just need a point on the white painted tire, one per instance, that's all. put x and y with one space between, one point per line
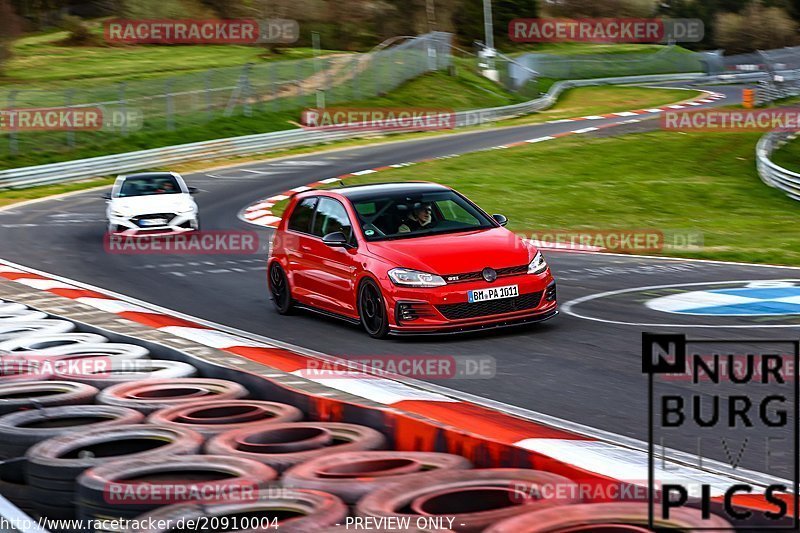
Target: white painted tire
13 329
34 343
112 350
8 307
18 315
124 371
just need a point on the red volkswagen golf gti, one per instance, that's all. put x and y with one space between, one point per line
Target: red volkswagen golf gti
406 258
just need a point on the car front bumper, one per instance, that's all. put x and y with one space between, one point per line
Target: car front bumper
130 226
446 309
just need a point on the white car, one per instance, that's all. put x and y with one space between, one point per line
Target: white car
151 203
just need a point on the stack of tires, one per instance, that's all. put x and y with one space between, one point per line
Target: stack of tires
98 430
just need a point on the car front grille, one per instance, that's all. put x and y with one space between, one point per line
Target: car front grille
477 276
166 216
491 307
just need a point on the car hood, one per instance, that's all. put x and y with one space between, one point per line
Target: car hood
156 203
456 253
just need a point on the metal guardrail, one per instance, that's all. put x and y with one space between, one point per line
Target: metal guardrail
259 143
772 174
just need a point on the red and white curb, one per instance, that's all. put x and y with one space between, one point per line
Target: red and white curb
260 213
554 446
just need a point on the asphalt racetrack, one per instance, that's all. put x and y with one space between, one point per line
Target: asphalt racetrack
583 366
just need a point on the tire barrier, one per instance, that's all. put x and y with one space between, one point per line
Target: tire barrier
474 499
8 315
151 395
128 488
34 343
13 485
55 464
284 445
607 518
19 431
293 511
352 475
211 419
18 395
10 330
111 350
107 373
6 307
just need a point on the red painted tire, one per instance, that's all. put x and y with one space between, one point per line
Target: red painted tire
19 431
153 394
105 373
284 445
475 499
35 343
128 488
606 518
19 395
299 511
351 476
213 418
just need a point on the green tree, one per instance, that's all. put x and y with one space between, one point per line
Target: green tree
468 20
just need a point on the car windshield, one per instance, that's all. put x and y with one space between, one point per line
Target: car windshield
149 185
403 215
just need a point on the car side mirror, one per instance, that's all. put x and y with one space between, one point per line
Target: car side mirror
106 196
500 219
193 190
337 239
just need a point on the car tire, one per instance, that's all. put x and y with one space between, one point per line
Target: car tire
279 289
36 343
352 475
282 446
122 371
21 395
372 310
148 396
217 417
21 430
13 485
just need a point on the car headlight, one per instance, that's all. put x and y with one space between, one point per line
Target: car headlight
538 265
414 278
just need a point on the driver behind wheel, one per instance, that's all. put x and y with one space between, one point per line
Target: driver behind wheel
420 218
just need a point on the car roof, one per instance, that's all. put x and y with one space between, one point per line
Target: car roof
362 192
149 175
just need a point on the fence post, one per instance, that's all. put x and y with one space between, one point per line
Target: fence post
13 140
68 94
247 90
298 75
208 94
273 76
356 93
123 107
170 110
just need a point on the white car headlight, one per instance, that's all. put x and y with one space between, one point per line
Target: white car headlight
414 278
538 265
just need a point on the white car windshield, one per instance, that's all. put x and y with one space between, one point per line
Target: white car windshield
149 185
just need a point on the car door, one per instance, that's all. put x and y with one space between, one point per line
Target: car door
296 245
331 280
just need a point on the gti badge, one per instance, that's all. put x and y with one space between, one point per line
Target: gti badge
489 274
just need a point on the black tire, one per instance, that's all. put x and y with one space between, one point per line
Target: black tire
279 290
19 431
117 488
213 418
64 459
16 396
372 310
150 395
12 482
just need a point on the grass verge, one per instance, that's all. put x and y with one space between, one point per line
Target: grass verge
659 180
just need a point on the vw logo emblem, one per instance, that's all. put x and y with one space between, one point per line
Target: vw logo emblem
489 274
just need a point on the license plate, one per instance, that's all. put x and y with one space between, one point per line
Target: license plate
153 222
494 293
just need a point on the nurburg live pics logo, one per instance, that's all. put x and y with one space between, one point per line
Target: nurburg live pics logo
741 428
